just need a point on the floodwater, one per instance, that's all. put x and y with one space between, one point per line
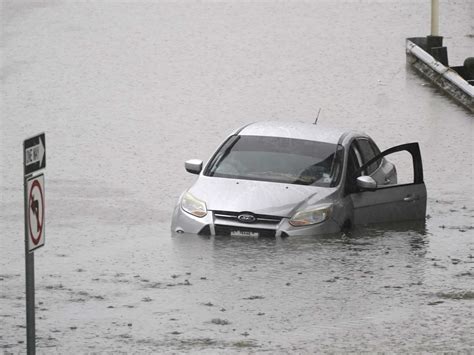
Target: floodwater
127 91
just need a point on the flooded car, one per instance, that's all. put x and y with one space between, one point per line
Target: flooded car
273 179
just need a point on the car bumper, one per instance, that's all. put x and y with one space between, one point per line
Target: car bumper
214 224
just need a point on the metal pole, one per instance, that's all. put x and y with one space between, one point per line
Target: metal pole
29 276
435 17
30 304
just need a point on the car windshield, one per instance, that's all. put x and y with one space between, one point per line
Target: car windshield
276 159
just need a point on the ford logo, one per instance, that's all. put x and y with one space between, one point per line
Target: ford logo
246 218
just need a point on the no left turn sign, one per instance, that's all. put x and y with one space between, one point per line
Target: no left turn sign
36 210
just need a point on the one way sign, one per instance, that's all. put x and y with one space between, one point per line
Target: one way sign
35 153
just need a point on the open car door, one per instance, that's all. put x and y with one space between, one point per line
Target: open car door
392 203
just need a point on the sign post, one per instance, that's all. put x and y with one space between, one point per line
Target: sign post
34 159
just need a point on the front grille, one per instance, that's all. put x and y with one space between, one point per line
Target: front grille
259 218
226 222
224 230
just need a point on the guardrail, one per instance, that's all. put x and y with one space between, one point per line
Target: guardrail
446 78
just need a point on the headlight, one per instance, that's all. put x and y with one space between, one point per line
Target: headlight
312 216
194 206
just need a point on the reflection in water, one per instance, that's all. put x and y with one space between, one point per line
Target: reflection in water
399 243
415 231
313 287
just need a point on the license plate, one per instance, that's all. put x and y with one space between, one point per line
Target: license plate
238 233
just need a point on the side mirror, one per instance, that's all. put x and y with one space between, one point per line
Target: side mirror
193 166
366 183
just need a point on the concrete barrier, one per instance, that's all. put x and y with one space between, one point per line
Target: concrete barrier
420 56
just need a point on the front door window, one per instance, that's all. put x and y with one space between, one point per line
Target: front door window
353 164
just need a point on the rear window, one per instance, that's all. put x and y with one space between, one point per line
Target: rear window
276 159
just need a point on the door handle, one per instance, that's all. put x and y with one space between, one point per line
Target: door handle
387 181
411 198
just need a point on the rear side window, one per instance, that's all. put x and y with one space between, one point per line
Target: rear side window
368 150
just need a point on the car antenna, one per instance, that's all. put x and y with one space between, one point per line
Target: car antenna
317 116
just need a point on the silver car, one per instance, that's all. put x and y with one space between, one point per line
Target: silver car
273 179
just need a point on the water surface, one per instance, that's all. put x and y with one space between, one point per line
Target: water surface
127 91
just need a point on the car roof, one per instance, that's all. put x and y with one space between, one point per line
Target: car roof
296 130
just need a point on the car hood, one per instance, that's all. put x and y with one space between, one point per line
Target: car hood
260 197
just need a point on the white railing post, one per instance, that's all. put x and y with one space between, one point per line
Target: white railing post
435 17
